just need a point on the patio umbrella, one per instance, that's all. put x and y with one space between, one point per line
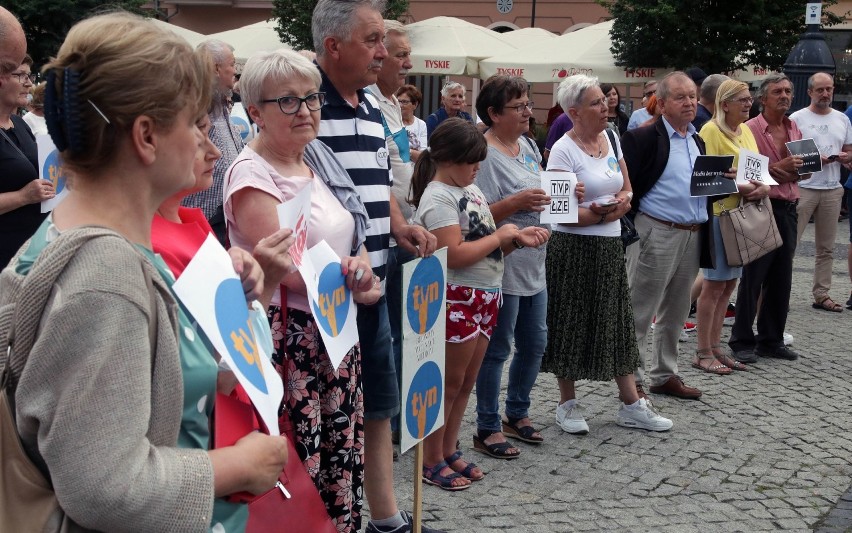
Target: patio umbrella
451 46
585 51
527 37
192 37
257 37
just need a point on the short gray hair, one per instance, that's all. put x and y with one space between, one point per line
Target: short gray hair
572 89
711 85
275 67
772 79
663 86
217 49
813 76
451 86
396 27
333 18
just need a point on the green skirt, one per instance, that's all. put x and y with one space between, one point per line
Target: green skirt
589 315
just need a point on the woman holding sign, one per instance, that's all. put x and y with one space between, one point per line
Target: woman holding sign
101 398
724 134
589 315
21 190
326 404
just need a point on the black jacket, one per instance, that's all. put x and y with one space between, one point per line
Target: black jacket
646 153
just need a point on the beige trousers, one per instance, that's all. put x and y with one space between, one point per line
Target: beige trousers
824 205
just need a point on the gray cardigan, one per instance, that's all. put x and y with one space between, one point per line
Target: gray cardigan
100 412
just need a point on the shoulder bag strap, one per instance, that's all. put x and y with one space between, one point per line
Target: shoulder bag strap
611 135
15 146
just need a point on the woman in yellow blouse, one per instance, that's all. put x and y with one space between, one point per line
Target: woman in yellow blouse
724 134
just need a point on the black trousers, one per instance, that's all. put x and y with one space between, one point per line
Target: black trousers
772 274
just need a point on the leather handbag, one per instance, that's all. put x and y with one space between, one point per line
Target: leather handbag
294 504
749 231
629 235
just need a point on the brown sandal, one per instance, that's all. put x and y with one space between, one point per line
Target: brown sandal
827 304
706 361
727 360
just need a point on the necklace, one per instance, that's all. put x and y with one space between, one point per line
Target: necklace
597 139
506 146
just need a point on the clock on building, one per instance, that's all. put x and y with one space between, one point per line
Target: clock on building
504 6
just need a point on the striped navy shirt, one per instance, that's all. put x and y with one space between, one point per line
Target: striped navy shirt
357 138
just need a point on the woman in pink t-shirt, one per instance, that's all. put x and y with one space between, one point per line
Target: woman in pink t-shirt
280 90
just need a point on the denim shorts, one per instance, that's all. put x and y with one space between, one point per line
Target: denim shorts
722 272
381 389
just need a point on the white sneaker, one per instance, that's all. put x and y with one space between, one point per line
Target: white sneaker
641 415
788 339
569 418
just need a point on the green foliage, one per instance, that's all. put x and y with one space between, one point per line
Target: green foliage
294 20
46 22
716 35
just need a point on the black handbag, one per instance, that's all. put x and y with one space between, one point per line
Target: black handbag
629 235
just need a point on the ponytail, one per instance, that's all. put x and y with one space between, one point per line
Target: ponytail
424 171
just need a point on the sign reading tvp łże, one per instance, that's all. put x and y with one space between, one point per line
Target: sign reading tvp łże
424 327
563 207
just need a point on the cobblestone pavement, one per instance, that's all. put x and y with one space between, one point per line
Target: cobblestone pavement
766 450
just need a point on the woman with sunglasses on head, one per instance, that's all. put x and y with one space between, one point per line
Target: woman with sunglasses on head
280 91
21 190
724 134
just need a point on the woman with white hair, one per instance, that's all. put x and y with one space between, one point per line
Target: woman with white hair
452 104
589 315
280 90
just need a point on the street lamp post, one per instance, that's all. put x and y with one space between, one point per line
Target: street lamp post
810 55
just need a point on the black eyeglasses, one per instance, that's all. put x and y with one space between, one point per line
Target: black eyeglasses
519 109
22 77
290 105
648 94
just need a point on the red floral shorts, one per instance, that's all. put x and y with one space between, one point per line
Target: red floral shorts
470 312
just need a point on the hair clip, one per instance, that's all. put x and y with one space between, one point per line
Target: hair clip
99 111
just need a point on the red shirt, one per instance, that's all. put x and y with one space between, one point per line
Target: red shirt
176 242
760 129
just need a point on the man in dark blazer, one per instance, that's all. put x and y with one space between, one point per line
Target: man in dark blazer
662 268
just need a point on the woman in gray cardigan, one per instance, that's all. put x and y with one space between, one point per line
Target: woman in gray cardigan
98 406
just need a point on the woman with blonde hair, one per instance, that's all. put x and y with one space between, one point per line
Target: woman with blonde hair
100 401
724 134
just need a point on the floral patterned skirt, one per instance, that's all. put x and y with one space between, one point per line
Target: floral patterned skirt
327 411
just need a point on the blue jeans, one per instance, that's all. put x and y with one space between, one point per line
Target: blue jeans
523 318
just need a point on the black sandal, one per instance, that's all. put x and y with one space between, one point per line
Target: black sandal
524 433
498 450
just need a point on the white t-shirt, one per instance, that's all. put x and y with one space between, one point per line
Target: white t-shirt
602 177
417 134
830 132
329 220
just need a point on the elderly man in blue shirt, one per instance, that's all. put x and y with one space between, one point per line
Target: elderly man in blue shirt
670 222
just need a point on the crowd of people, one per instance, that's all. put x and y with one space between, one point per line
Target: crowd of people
151 178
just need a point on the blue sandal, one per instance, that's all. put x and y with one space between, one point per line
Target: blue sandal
432 476
466 471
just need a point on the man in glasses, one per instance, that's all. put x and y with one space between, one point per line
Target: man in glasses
641 115
13 43
223 133
349 42
820 195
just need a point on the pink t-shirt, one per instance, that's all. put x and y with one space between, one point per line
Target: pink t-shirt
329 220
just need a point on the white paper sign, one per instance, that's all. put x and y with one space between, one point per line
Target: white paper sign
240 119
295 214
423 334
753 166
563 207
213 294
50 169
331 301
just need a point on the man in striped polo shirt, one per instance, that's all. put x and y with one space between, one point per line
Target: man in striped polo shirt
348 39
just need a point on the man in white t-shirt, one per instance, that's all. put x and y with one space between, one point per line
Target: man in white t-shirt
820 196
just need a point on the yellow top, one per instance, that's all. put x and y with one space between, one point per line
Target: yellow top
720 144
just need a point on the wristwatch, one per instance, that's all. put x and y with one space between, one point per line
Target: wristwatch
517 244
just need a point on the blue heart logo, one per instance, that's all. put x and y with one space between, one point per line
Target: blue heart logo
425 294
332 306
233 320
